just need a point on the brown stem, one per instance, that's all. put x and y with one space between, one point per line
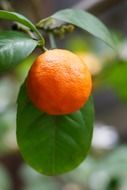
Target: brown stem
6 5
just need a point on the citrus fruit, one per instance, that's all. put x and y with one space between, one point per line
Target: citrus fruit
58 82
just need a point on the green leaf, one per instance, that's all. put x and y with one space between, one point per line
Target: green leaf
114 75
53 144
14 47
19 18
86 21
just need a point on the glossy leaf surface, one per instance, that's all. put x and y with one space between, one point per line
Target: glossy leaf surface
53 144
85 21
14 47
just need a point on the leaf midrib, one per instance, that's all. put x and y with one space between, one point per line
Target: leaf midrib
54 146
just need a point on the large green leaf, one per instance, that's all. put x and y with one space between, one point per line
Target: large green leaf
86 21
53 144
19 18
14 47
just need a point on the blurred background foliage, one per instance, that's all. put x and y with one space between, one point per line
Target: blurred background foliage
106 166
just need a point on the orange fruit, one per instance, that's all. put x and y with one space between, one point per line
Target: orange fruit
58 82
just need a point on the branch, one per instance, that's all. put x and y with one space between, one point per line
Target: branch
85 5
6 5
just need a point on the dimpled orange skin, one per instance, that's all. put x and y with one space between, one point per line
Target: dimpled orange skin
58 82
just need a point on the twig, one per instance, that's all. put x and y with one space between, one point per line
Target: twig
85 5
52 40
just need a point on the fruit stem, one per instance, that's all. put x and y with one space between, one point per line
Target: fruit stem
52 40
40 36
41 45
